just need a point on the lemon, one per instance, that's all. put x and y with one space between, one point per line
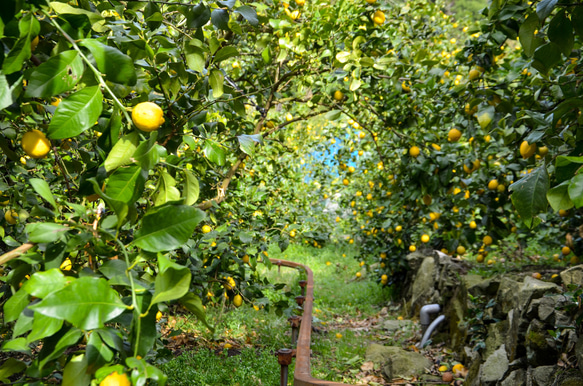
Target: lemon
295 15
398 228
565 250
537 275
383 255
245 259
412 248
338 95
35 144
345 182
474 74
405 87
484 119
206 229
358 274
454 135
147 116
543 150
371 1
237 300
427 200
425 238
443 368
460 250
55 102
34 43
116 379
493 184
292 234
378 17
414 151
487 240
10 216
480 258
458 369
361 135
473 225
159 316
563 213
526 150
338 335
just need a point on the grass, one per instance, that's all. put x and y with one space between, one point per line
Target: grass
342 305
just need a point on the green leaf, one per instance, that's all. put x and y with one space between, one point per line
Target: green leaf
148 152
18 344
193 304
225 53
172 281
168 227
76 113
529 194
10 367
86 303
576 190
29 27
75 372
44 190
546 56
39 232
248 142
561 33
216 79
24 323
58 74
545 7
195 58
5 94
120 208
191 188
197 16
122 152
142 371
214 152
43 326
15 305
166 189
220 18
577 20
67 9
144 339
559 198
526 33
98 353
56 345
249 14
117 66
126 184
41 284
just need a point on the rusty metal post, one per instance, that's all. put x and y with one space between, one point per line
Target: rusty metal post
303 284
300 300
294 321
284 357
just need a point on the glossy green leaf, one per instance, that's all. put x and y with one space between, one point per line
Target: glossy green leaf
76 372
76 113
39 232
560 32
15 305
24 323
126 184
142 371
172 281
225 53
195 58
529 194
191 188
220 18
120 208
143 342
41 284
44 190
528 41
67 9
18 344
54 346
197 16
55 76
214 152
43 326
98 353
216 79
121 154
168 227
193 304
166 189
249 14
86 303
576 190
546 57
559 198
148 153
28 27
10 367
577 20
248 142
117 66
545 7
5 94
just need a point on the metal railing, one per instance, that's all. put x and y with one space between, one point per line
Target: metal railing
302 374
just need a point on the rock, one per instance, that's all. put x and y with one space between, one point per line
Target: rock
573 275
547 310
572 380
477 285
423 286
496 337
455 313
541 349
397 362
534 289
542 375
505 297
473 377
494 367
515 378
515 336
393 325
579 354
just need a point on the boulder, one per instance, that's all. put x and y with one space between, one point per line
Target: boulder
455 312
515 378
496 337
571 380
542 375
579 354
541 349
477 285
494 368
515 336
424 285
505 297
573 275
392 325
397 362
534 289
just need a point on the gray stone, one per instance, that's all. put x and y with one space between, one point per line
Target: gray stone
505 297
572 380
542 375
397 362
423 286
477 285
473 377
579 354
534 289
494 368
455 312
541 349
496 337
573 275
515 378
515 336
393 325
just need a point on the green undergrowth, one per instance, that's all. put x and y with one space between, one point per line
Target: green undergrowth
342 303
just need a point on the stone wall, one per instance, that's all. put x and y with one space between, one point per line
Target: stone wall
529 335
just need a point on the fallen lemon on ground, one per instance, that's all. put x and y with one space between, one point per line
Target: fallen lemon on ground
147 116
35 144
338 335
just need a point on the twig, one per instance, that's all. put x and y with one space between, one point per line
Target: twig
5 258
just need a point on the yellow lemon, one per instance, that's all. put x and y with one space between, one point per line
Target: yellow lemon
460 250
35 144
526 150
116 379
412 248
405 87
474 74
159 316
378 17
425 238
487 240
414 151
237 300
565 250
206 229
338 95
473 225
66 265
147 116
493 184
345 182
543 150
338 335
10 216
454 135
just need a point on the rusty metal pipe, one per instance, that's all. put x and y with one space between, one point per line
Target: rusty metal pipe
295 322
303 284
284 358
302 373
